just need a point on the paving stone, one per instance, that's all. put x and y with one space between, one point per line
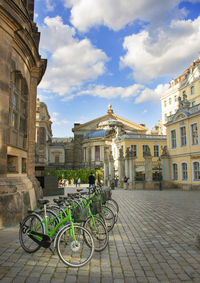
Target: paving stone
153 241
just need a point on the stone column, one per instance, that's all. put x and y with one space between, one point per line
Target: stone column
131 170
93 153
148 172
126 165
106 168
89 158
165 168
101 153
121 168
111 169
5 58
31 121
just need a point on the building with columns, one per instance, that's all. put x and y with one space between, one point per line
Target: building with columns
93 138
86 149
21 70
188 83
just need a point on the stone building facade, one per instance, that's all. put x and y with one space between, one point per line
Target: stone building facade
188 83
43 134
21 70
183 142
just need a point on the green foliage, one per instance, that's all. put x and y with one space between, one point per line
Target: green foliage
83 174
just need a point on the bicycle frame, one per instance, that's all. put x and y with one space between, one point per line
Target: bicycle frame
45 223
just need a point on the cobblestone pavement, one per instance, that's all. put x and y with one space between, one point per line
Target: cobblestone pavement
153 241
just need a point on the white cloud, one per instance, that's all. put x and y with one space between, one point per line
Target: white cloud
56 121
137 91
166 53
72 62
116 14
55 34
49 5
152 95
113 92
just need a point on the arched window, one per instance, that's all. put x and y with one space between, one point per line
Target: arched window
18 110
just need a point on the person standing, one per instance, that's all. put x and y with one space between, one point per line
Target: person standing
79 182
91 181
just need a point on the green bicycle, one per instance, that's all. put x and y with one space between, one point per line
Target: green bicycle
81 213
74 244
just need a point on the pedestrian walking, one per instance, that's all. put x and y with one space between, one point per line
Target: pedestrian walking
91 181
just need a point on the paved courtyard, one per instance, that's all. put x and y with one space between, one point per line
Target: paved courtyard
153 241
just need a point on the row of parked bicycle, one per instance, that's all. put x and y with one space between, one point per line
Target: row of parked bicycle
76 225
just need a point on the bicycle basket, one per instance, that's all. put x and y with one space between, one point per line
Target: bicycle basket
80 214
96 206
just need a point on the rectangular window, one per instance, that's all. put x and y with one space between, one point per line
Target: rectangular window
184 171
156 150
165 103
175 98
14 120
184 92
22 126
134 149
165 117
170 100
97 153
173 139
183 136
196 171
194 134
192 89
57 159
174 171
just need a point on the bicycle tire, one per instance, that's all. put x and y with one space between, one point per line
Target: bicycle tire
114 203
31 222
113 208
99 233
108 217
66 246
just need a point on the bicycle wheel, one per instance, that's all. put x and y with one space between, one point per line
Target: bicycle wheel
113 208
32 222
114 203
72 248
108 217
99 232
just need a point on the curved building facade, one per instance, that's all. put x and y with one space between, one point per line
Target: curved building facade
21 70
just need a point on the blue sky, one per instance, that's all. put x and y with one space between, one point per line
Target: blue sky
118 52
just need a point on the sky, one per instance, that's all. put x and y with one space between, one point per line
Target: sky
118 52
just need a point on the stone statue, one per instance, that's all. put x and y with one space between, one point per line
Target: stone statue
164 151
147 151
